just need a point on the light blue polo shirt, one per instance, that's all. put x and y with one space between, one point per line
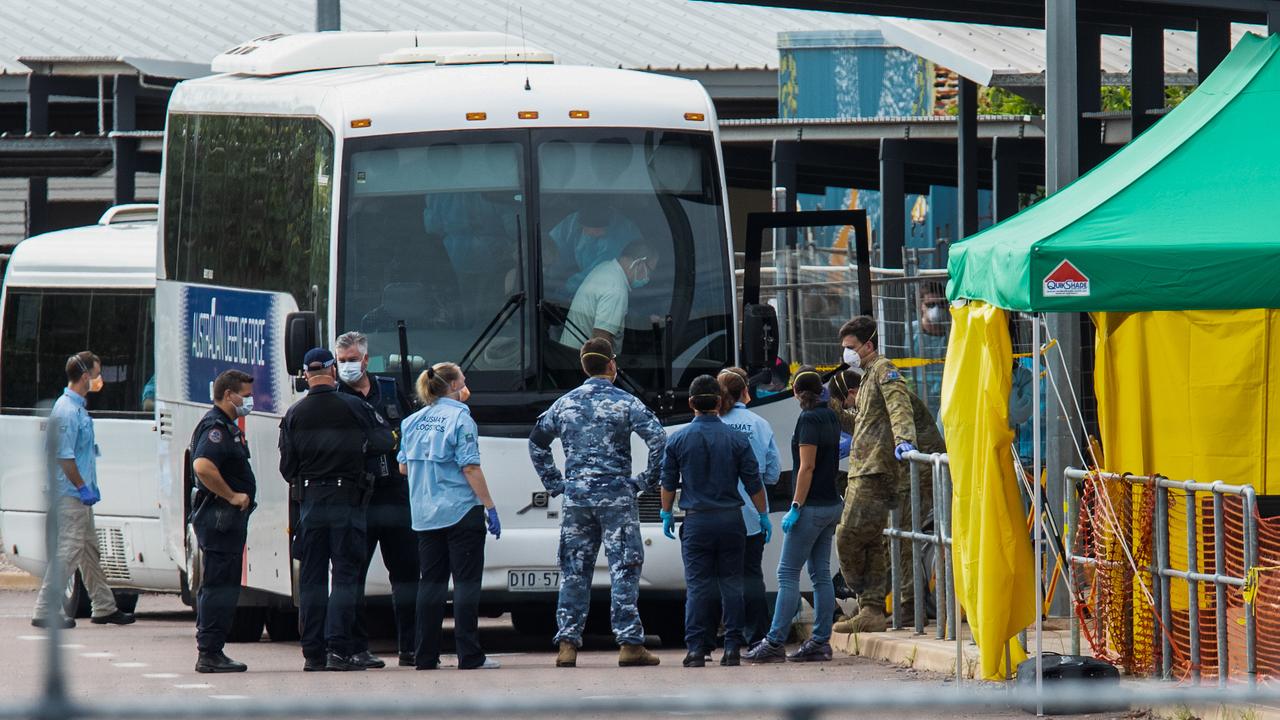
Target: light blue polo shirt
765 449
439 440
75 441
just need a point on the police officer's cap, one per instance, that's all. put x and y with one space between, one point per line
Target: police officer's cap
317 359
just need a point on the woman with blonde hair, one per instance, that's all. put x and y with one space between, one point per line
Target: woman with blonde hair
452 509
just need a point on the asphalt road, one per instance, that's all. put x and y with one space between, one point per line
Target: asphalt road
154 658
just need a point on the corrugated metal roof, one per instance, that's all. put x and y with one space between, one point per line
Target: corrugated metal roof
659 34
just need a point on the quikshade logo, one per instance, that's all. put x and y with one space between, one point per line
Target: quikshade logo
1066 280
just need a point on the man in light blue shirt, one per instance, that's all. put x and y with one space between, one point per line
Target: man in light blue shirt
75 451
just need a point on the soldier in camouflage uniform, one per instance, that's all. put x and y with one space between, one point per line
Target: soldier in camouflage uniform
884 429
594 423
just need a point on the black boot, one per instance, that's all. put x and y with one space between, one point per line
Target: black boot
695 658
369 660
218 662
732 657
407 659
341 663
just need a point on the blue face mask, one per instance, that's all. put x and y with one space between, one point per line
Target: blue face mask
641 281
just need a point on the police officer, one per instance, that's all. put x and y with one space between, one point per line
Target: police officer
884 430
325 439
388 517
594 423
224 493
706 458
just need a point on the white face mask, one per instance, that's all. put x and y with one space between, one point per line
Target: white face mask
246 407
852 359
350 372
936 315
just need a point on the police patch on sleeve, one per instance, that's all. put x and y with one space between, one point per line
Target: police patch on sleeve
215 436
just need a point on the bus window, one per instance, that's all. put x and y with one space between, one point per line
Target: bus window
656 192
42 328
434 236
241 181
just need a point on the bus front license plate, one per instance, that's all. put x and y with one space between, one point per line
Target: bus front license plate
533 580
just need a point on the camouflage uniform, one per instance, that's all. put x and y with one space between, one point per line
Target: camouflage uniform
594 423
883 419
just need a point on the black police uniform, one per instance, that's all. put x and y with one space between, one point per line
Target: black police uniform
220 527
324 441
390 522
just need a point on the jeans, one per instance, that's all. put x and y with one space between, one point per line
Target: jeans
809 542
712 543
390 526
456 551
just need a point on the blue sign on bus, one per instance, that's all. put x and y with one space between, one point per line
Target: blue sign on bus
229 329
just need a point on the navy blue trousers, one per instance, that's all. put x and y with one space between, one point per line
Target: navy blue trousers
713 544
331 540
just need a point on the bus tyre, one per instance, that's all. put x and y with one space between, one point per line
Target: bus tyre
75 599
126 601
247 625
192 566
282 625
534 620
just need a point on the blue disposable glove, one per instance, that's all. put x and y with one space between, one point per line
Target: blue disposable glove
97 496
86 495
491 520
668 524
789 520
766 527
902 449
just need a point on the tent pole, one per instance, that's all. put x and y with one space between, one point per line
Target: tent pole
1036 506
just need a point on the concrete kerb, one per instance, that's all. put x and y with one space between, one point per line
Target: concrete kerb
18 581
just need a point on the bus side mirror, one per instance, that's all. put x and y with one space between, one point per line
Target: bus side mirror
759 336
299 337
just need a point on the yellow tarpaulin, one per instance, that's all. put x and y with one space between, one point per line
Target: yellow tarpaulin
1188 394
995 567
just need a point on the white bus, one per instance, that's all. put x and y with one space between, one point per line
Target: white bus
338 181
85 288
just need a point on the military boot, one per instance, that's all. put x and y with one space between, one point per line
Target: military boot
568 656
636 656
868 619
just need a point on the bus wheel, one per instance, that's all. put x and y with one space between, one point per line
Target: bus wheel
282 625
126 601
192 565
534 620
75 599
247 625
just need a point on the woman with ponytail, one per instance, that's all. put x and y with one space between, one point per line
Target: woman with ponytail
452 509
808 527
734 413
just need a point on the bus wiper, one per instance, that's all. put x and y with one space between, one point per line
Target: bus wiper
632 386
491 331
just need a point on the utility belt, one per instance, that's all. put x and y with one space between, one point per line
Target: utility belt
361 487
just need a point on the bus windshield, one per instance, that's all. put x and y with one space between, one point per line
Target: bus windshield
517 245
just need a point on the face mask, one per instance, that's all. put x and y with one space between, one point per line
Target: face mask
464 394
95 384
639 281
350 372
246 407
852 359
936 315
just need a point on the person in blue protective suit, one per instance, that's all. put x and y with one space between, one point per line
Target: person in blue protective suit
389 525
452 510
808 527
734 413
586 238
594 423
707 460
225 488
74 449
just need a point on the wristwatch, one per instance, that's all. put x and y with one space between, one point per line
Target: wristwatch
795 506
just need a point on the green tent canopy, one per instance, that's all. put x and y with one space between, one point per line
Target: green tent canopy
1184 217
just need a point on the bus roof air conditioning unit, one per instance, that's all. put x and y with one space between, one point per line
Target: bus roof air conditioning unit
285 54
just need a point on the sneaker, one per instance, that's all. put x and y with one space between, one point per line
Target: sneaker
369 660
568 655
811 651
65 623
766 651
407 659
488 664
732 657
341 663
115 618
694 659
636 656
